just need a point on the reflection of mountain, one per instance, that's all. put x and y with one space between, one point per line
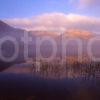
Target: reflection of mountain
21 68
57 69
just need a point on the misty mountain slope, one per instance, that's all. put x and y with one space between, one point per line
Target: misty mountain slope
7 30
4 27
46 47
8 46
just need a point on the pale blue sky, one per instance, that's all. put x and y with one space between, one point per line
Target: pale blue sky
27 8
51 14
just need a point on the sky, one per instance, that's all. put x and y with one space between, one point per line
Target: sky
51 14
27 8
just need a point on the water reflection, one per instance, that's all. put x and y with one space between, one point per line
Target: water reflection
57 70
49 89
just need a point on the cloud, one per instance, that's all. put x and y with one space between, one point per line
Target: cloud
78 33
89 3
56 22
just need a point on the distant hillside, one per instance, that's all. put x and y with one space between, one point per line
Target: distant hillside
71 48
5 27
7 48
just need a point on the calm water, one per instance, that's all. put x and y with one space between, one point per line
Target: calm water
50 89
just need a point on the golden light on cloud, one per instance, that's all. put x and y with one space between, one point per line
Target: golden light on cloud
58 22
78 33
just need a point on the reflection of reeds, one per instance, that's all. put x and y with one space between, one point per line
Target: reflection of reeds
57 69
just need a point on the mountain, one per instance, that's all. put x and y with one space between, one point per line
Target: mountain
5 27
7 30
71 48
7 47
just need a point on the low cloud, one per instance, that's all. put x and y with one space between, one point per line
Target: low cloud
89 3
56 22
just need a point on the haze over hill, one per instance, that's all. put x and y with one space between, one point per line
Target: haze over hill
84 36
56 70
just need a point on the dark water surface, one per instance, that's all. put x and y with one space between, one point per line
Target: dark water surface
49 89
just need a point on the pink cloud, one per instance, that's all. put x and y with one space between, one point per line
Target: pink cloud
89 3
56 22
